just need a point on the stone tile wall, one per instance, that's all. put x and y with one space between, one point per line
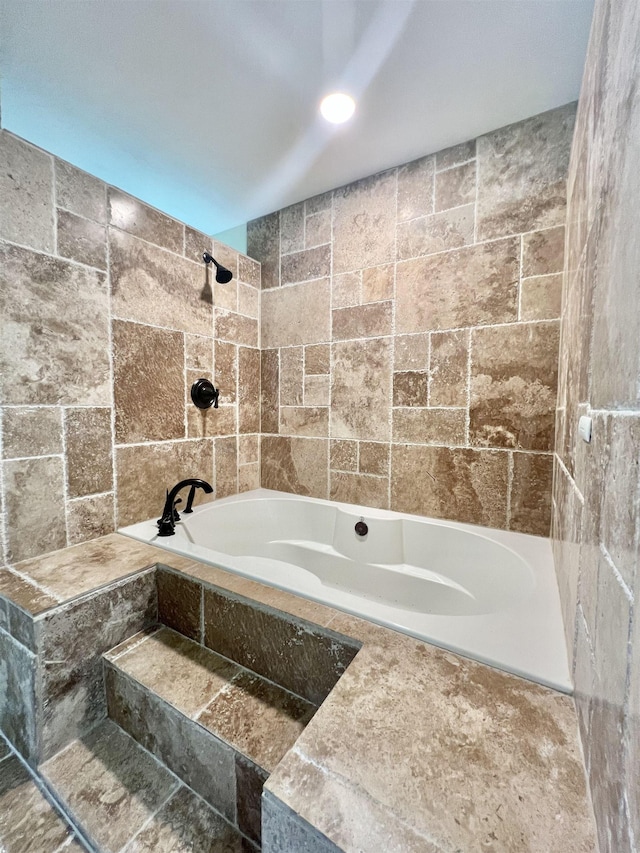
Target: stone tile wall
596 493
108 316
410 332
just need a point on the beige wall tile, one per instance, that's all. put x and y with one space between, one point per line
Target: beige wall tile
236 328
26 189
248 449
457 154
440 232
444 482
374 458
225 295
541 297
344 455
291 376
89 453
411 352
306 265
361 386
55 343
359 489
514 386
130 214
227 256
364 223
456 186
318 229
263 243
362 321
430 426
248 389
226 466
415 189
34 506
198 352
296 465
195 244
31 432
292 222
317 390
159 467
248 477
226 370
470 286
448 368
296 315
148 383
543 252
80 193
346 289
151 285
317 359
378 283
249 271
304 420
410 388
269 390
531 493
248 300
522 171
89 518
318 203
82 240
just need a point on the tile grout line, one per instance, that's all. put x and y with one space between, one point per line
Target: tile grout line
114 464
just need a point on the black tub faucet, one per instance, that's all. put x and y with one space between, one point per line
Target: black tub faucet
167 524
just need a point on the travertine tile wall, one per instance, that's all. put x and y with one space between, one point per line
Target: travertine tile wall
410 332
108 316
596 511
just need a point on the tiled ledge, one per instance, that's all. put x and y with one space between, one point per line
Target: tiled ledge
414 749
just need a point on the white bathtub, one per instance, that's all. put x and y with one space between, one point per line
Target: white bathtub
488 594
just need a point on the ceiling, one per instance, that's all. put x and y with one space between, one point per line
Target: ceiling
208 109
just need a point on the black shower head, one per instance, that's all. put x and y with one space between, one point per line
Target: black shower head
223 275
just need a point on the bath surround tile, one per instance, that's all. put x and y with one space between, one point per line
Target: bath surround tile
81 240
457 154
26 190
297 465
179 605
80 193
90 518
306 265
344 455
129 214
359 489
364 223
415 189
440 232
360 388
196 243
296 315
31 432
292 227
291 376
263 243
89 454
455 186
55 348
226 466
363 321
448 368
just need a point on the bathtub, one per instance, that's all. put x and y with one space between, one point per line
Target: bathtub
490 595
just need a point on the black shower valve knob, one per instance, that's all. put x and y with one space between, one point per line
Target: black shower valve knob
204 395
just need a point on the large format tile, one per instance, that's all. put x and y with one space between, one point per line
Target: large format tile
514 386
300 314
80 192
361 386
55 341
300 657
442 482
297 465
81 240
88 445
470 286
146 471
26 190
150 285
148 383
260 719
132 215
364 223
28 822
111 784
34 496
185 824
31 432
522 172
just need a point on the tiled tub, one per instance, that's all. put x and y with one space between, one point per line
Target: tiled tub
488 594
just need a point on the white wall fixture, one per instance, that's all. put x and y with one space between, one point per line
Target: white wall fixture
584 428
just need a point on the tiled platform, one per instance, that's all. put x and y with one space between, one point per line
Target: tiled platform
127 801
28 821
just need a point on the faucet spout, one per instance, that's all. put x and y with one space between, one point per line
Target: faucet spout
167 523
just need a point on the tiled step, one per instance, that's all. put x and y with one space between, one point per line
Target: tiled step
29 823
126 801
219 727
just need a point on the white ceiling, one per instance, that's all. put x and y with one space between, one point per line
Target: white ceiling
208 108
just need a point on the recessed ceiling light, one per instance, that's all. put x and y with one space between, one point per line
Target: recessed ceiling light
338 107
